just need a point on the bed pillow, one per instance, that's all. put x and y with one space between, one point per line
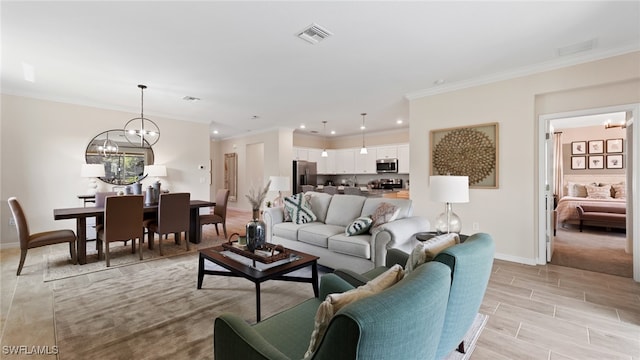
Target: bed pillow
599 192
334 302
576 190
619 190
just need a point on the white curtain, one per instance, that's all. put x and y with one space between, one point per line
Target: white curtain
558 172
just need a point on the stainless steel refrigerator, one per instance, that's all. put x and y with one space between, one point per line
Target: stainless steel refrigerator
304 173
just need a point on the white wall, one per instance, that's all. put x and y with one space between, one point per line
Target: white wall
509 213
43 146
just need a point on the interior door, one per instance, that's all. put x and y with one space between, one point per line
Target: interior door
549 203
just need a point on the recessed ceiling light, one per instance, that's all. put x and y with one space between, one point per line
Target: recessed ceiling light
333 132
399 121
362 127
302 126
215 132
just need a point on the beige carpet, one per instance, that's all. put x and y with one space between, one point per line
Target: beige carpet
159 314
594 250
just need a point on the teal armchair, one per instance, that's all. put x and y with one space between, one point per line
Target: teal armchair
402 322
470 263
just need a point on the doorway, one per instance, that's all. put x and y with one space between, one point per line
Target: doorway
546 204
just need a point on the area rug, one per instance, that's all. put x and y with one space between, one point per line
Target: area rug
159 314
59 266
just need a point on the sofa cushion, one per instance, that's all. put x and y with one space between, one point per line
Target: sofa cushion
299 209
371 204
288 230
319 203
358 245
335 302
318 233
358 226
344 209
428 250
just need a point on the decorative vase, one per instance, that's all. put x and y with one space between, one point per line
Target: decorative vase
256 232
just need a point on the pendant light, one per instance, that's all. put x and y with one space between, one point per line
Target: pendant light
324 133
109 147
141 130
363 151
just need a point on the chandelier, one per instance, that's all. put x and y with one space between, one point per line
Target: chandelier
324 133
363 150
140 130
109 147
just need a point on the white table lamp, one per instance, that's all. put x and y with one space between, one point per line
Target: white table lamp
279 184
92 171
449 189
155 171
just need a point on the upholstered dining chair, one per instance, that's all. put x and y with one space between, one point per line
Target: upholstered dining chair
330 189
173 218
30 241
219 213
99 202
122 222
306 188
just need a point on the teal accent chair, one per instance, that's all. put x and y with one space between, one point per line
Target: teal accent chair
402 322
471 263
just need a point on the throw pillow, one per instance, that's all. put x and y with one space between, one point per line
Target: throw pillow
359 226
620 191
384 213
576 190
599 192
427 251
334 302
299 209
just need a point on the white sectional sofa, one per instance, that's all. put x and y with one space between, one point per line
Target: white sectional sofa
326 237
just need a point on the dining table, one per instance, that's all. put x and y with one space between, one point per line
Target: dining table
80 214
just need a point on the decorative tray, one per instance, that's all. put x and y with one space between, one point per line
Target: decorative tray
267 253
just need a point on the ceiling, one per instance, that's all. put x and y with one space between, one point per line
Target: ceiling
251 72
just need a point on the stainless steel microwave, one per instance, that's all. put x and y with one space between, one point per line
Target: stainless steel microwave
386 166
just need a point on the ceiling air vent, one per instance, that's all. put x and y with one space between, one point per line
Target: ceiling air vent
314 33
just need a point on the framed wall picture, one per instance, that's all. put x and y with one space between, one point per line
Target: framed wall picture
614 145
578 162
467 151
596 146
578 147
596 162
614 161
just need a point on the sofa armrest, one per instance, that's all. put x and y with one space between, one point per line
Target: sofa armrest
272 216
233 338
331 284
396 234
396 256
351 277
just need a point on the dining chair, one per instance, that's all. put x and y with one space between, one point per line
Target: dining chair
30 241
122 222
218 215
330 189
173 218
99 202
306 188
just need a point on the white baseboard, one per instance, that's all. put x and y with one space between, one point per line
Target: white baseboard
515 259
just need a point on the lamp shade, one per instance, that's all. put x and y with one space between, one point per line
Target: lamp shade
279 183
449 189
156 170
92 170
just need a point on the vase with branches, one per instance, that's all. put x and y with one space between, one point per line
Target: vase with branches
256 228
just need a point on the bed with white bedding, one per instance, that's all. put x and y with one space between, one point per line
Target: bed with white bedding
576 192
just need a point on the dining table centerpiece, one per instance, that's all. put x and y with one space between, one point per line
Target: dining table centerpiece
256 228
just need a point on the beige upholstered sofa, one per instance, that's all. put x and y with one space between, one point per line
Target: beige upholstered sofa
326 236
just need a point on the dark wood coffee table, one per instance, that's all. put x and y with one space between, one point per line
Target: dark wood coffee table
218 256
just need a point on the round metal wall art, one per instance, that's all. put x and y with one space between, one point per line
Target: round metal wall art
465 152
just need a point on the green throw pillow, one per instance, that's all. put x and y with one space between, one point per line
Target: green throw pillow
299 209
359 226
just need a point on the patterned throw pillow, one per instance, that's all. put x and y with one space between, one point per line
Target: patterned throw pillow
427 251
620 191
299 210
599 192
335 302
384 213
359 226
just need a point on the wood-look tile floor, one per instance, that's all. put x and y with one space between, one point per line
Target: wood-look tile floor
535 312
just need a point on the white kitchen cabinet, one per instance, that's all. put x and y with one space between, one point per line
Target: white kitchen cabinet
345 161
387 152
300 154
325 165
403 159
365 163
